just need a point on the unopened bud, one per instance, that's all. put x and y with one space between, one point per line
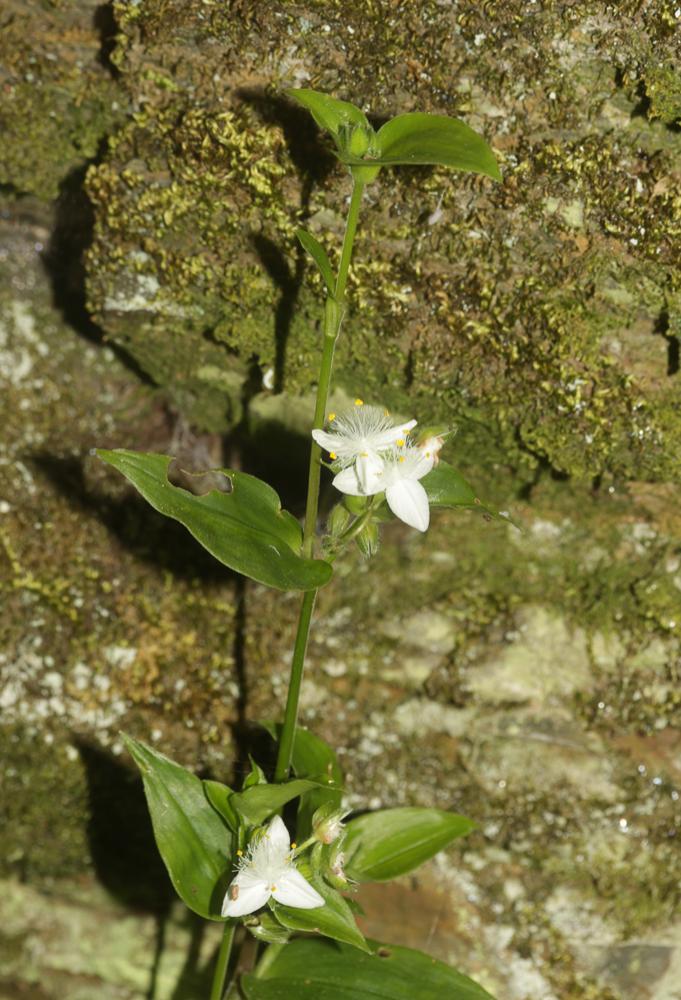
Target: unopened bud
368 539
327 823
338 520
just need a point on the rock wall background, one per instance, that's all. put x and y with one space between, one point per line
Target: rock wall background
152 177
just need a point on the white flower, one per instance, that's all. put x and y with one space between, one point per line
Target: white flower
359 437
399 478
268 870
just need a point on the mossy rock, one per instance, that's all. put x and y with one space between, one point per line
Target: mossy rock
545 309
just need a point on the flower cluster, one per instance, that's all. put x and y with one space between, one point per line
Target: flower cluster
374 455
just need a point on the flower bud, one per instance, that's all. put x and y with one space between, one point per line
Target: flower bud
327 823
338 520
368 540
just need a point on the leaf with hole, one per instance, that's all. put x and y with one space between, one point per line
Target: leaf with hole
194 842
382 845
245 528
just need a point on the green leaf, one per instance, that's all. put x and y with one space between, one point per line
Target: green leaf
255 804
194 842
310 969
382 845
245 529
319 256
417 138
328 112
256 775
447 488
333 920
314 759
218 795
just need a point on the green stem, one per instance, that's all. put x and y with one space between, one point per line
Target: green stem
220 974
333 317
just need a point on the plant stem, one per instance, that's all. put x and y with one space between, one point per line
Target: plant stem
220 974
333 317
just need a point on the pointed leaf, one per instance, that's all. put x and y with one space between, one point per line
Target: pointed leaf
193 840
328 112
447 488
245 529
219 795
334 919
256 775
319 256
311 969
255 804
417 138
382 845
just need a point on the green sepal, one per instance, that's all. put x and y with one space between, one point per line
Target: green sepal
245 528
265 927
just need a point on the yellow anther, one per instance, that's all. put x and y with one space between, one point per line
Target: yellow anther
332 416
364 454
401 458
386 413
359 402
273 888
293 845
239 854
332 454
400 442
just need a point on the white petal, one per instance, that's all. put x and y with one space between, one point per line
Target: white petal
369 469
408 500
347 482
294 890
391 436
330 442
246 894
423 465
278 836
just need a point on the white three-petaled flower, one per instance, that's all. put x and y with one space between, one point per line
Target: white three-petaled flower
399 478
268 870
359 438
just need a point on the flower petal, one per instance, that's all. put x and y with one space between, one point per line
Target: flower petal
423 465
329 442
369 469
408 500
347 482
293 889
278 836
246 894
390 437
